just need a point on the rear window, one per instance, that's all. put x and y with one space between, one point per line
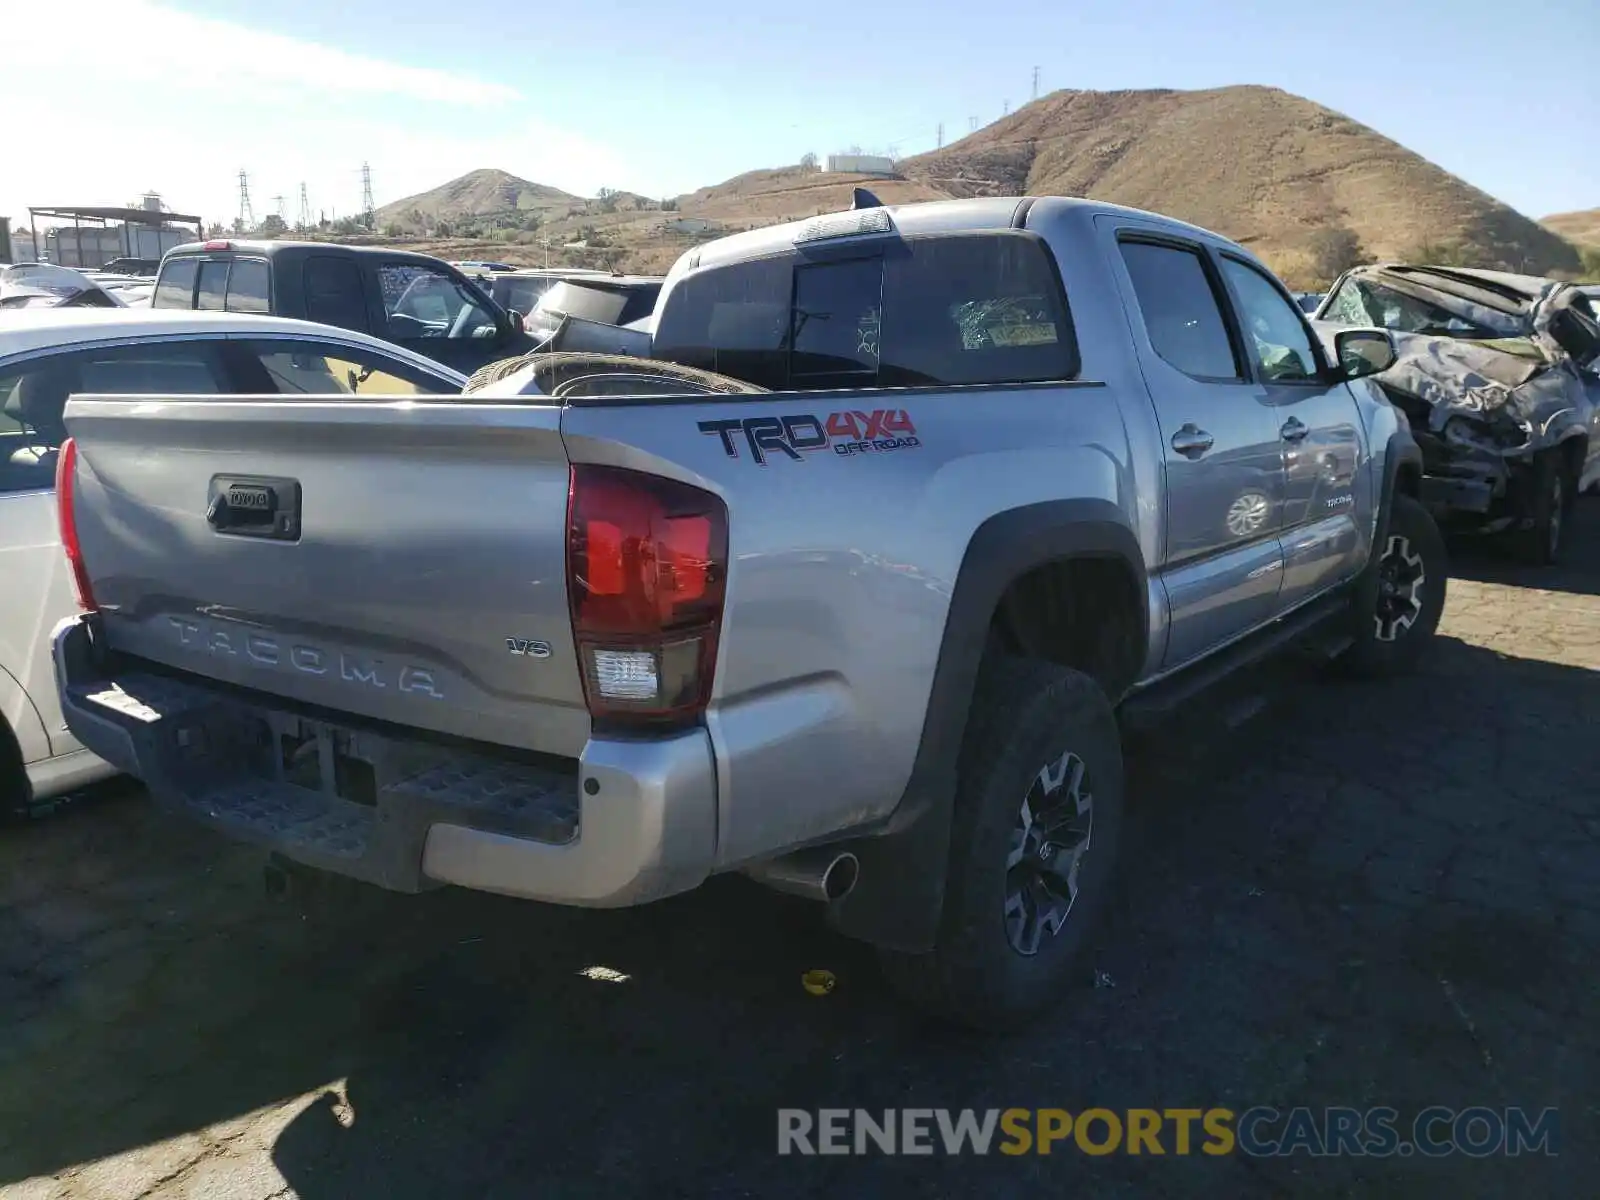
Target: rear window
235 284
976 308
608 305
175 287
213 289
521 294
247 286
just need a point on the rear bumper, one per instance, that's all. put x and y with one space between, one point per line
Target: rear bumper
628 822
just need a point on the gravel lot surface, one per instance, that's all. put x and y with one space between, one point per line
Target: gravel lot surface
1363 896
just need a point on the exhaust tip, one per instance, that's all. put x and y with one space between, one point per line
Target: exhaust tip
840 877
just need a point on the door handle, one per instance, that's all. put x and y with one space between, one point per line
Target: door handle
1294 430
1191 441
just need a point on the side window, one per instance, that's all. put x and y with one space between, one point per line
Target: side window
1181 311
247 286
313 369
160 368
213 285
421 302
33 396
333 293
175 288
1273 330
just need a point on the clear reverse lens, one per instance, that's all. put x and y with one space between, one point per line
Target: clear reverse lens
626 674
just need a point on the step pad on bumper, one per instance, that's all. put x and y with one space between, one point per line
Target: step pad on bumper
352 800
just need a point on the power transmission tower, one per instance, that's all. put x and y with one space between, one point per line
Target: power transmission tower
972 124
941 135
305 209
247 215
278 202
1005 108
1036 83
367 206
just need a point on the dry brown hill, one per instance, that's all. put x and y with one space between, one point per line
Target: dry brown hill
1273 170
481 193
1265 167
1581 228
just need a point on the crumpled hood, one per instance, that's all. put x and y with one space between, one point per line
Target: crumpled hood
1455 377
1529 380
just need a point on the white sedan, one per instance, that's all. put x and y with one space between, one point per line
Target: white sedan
47 355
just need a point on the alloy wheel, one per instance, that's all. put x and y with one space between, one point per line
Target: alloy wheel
1052 835
1401 576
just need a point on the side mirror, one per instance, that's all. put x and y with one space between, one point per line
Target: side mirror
1363 352
515 317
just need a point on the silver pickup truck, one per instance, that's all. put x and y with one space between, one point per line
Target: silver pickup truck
979 478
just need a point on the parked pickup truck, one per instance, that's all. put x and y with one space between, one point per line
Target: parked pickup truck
859 621
412 300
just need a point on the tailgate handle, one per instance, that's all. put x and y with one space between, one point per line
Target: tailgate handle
254 506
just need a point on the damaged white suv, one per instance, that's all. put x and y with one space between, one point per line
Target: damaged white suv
1495 373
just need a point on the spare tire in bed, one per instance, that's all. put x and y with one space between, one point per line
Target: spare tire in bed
570 374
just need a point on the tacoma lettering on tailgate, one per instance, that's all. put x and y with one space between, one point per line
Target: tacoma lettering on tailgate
269 651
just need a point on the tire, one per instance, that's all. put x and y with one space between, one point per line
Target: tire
1393 627
13 778
560 369
1554 490
1033 725
494 372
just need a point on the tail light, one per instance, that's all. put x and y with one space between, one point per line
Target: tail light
647 563
66 497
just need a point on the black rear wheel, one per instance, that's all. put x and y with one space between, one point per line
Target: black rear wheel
1038 812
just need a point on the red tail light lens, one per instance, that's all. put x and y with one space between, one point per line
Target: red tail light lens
66 488
647 561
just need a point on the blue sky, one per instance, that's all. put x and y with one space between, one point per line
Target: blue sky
662 97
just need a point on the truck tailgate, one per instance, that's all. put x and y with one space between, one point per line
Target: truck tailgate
400 561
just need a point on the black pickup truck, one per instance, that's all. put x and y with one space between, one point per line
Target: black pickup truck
415 301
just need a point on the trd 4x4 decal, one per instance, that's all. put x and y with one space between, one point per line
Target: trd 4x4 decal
847 433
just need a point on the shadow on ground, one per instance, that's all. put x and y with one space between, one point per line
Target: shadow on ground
1368 895
1488 560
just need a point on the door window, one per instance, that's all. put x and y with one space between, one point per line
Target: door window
1181 311
1274 332
421 302
34 394
309 368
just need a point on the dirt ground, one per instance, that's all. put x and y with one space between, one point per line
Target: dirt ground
1366 895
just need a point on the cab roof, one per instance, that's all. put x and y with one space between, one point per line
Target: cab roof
271 247
31 329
